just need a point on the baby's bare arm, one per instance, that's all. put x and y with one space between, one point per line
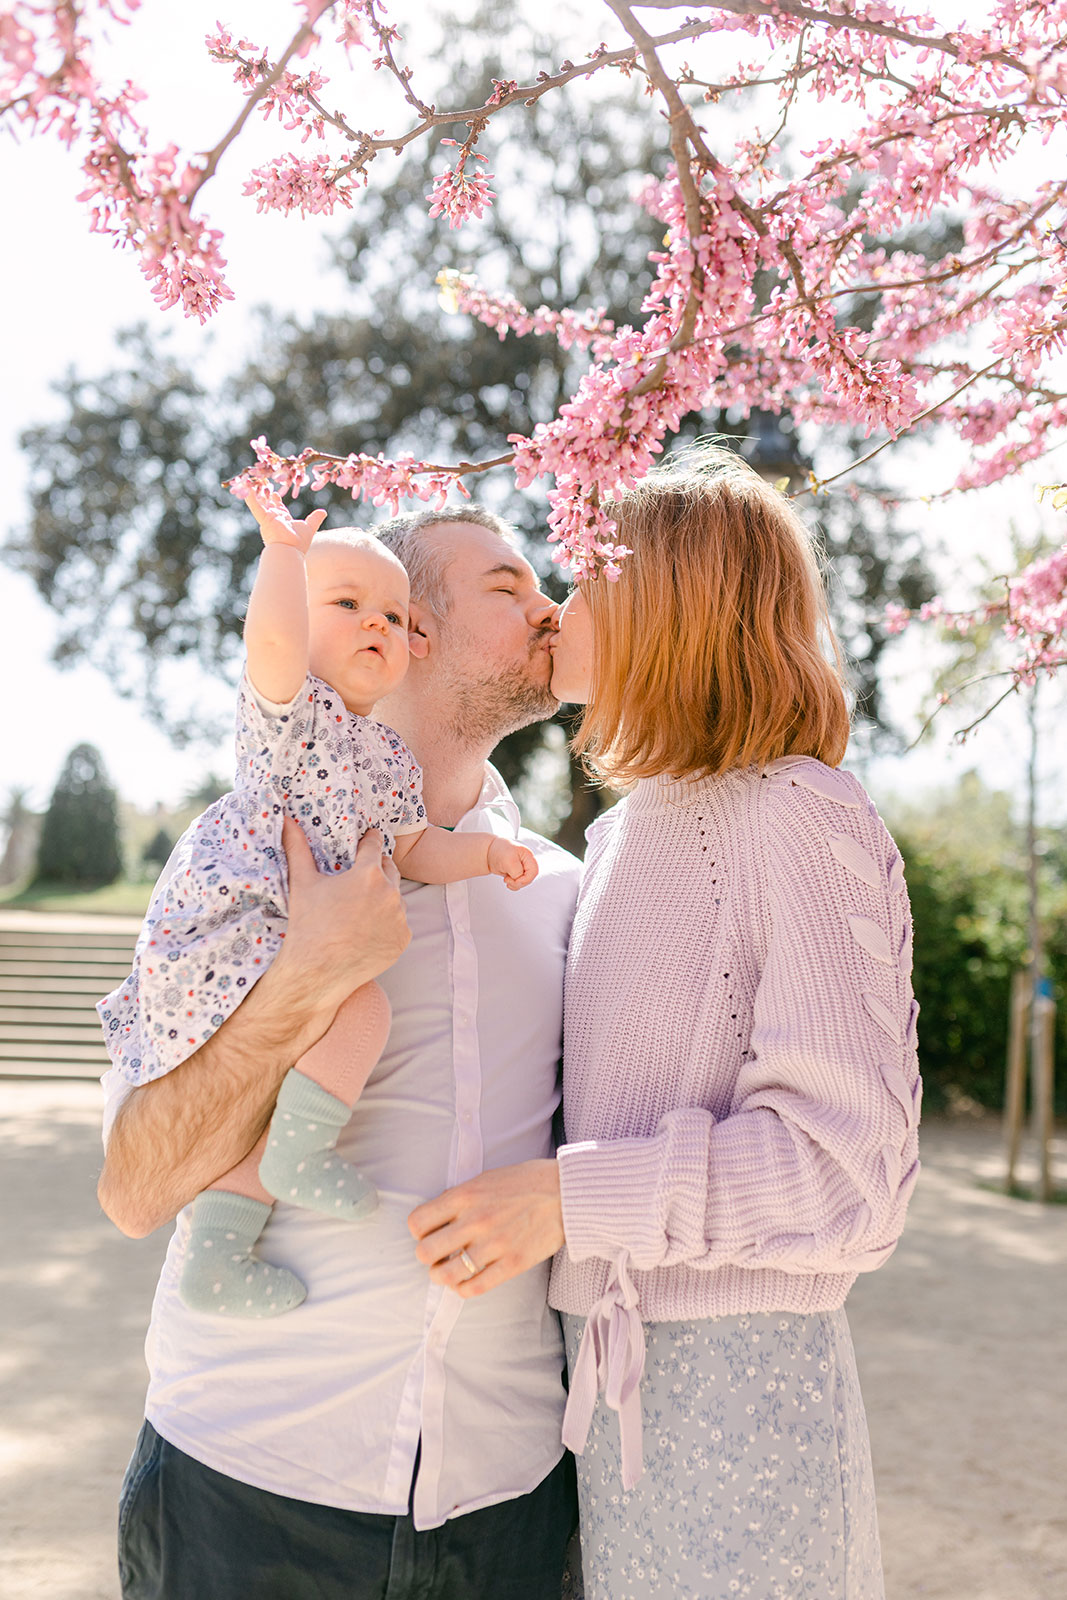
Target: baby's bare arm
276 627
437 856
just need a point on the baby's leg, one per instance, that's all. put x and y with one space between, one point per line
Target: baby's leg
300 1163
220 1273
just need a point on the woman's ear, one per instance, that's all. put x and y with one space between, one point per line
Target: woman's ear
418 643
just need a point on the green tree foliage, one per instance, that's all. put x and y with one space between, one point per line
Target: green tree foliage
964 854
205 791
80 834
157 851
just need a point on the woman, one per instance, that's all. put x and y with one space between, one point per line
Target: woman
740 1083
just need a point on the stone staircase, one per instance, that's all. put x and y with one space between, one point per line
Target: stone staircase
53 969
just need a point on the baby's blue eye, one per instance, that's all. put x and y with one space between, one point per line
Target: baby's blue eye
349 604
391 616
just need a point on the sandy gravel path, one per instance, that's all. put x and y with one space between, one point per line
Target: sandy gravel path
962 1340
962 1348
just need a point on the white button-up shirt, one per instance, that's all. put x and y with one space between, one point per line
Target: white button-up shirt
328 1403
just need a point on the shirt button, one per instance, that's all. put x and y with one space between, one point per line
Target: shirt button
467 1118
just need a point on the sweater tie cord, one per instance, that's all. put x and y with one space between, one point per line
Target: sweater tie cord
611 1359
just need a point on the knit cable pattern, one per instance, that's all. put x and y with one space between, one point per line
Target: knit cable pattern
745 1135
755 1158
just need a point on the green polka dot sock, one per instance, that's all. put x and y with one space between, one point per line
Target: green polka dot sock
300 1164
220 1273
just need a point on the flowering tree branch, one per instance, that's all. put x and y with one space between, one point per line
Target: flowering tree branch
783 284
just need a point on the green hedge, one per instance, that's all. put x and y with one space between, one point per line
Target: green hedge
969 938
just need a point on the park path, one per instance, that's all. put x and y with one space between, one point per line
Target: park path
960 1339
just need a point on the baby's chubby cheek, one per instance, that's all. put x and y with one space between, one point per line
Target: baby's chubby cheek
396 669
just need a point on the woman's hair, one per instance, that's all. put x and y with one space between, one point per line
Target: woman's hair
713 649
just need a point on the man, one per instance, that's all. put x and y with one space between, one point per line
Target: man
387 1438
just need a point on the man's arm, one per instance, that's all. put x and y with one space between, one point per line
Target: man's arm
174 1136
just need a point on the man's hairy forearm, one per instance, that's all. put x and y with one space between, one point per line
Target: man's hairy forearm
175 1136
178 1134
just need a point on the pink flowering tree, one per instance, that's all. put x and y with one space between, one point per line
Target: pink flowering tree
772 245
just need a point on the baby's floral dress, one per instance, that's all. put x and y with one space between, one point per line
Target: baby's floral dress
218 913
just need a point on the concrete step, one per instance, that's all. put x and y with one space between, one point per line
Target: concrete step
45 936
50 1050
63 944
53 969
97 970
52 922
51 1067
48 953
44 996
62 1007
41 1025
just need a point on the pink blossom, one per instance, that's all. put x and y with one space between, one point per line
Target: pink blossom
503 313
294 183
769 251
457 195
372 478
355 16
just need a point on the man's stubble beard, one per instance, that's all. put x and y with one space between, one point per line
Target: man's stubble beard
482 709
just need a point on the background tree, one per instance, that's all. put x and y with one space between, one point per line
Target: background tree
157 851
206 790
80 833
22 826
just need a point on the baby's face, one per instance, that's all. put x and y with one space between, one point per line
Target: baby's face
357 620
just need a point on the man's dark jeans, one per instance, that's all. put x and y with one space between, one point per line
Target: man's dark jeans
188 1533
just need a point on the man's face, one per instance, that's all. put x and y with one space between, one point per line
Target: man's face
492 646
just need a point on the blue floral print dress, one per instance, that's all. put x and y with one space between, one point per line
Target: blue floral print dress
218 912
757 1481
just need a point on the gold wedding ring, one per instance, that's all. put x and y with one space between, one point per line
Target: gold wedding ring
472 1270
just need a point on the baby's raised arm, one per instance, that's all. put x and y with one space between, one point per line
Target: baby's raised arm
276 627
436 855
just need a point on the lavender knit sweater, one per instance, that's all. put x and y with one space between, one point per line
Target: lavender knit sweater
741 1089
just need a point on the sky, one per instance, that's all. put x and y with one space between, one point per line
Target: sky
73 291
67 292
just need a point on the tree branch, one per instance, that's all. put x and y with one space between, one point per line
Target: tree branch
843 20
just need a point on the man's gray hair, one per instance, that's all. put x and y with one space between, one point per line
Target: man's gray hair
427 563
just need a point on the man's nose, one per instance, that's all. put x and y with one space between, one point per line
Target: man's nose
545 612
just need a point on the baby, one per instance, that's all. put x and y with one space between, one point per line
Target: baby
326 637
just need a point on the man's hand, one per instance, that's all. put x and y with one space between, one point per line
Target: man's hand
177 1134
499 1224
344 928
278 527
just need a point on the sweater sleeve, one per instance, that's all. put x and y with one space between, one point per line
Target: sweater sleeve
812 1169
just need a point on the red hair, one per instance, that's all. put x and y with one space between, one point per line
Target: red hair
714 647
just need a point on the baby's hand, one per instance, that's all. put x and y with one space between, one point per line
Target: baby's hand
512 862
277 526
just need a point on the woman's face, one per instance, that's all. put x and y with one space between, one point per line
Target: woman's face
572 651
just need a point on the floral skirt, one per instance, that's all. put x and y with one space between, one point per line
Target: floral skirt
757 1481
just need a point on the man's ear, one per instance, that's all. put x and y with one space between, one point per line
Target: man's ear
418 619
